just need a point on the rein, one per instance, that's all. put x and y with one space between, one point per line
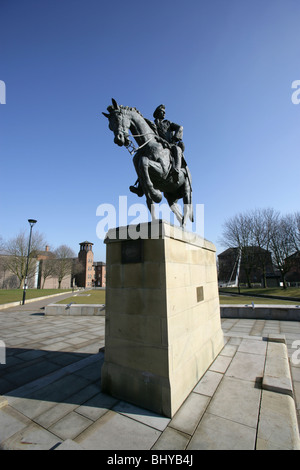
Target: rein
132 149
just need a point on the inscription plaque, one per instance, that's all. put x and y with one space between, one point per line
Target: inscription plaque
200 294
132 251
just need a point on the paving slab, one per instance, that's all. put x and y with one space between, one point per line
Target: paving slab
33 437
217 433
58 410
96 406
70 425
236 400
3 401
68 444
139 414
220 364
31 407
246 366
190 413
277 377
209 383
11 421
61 406
53 413
114 431
253 346
277 428
172 439
229 350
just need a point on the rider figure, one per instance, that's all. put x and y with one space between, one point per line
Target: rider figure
172 133
170 136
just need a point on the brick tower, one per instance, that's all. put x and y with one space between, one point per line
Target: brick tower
86 259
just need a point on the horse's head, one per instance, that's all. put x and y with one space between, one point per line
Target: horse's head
119 123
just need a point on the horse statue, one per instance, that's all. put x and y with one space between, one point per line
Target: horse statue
152 160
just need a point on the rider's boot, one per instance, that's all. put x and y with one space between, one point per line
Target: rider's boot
137 190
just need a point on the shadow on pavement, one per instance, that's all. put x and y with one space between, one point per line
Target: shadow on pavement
32 379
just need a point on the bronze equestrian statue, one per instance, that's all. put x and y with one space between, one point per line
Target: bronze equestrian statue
159 161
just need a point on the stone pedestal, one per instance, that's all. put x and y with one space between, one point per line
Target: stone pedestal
163 326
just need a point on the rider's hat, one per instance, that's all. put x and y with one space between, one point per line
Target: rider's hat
161 106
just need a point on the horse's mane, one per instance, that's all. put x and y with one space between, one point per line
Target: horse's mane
150 123
129 108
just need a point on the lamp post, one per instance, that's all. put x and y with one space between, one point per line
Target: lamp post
31 222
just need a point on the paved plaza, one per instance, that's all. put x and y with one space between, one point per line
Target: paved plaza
50 390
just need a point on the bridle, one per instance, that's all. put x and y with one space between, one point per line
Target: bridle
131 147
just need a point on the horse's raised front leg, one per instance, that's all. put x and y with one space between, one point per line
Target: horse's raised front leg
151 193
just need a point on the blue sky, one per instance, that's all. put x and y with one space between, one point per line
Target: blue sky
223 68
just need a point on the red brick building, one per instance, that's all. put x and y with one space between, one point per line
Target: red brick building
86 258
93 273
100 274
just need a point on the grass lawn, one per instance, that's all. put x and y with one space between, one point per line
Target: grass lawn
244 300
96 296
289 292
15 295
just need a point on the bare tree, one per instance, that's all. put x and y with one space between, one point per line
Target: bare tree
237 233
17 250
64 262
259 232
8 280
282 244
2 245
262 223
297 218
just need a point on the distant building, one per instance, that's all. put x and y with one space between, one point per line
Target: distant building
84 272
247 268
86 259
293 275
46 277
8 280
99 274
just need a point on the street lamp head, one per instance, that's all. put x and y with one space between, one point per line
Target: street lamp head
32 221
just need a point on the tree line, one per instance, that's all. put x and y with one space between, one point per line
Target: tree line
266 229
58 263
